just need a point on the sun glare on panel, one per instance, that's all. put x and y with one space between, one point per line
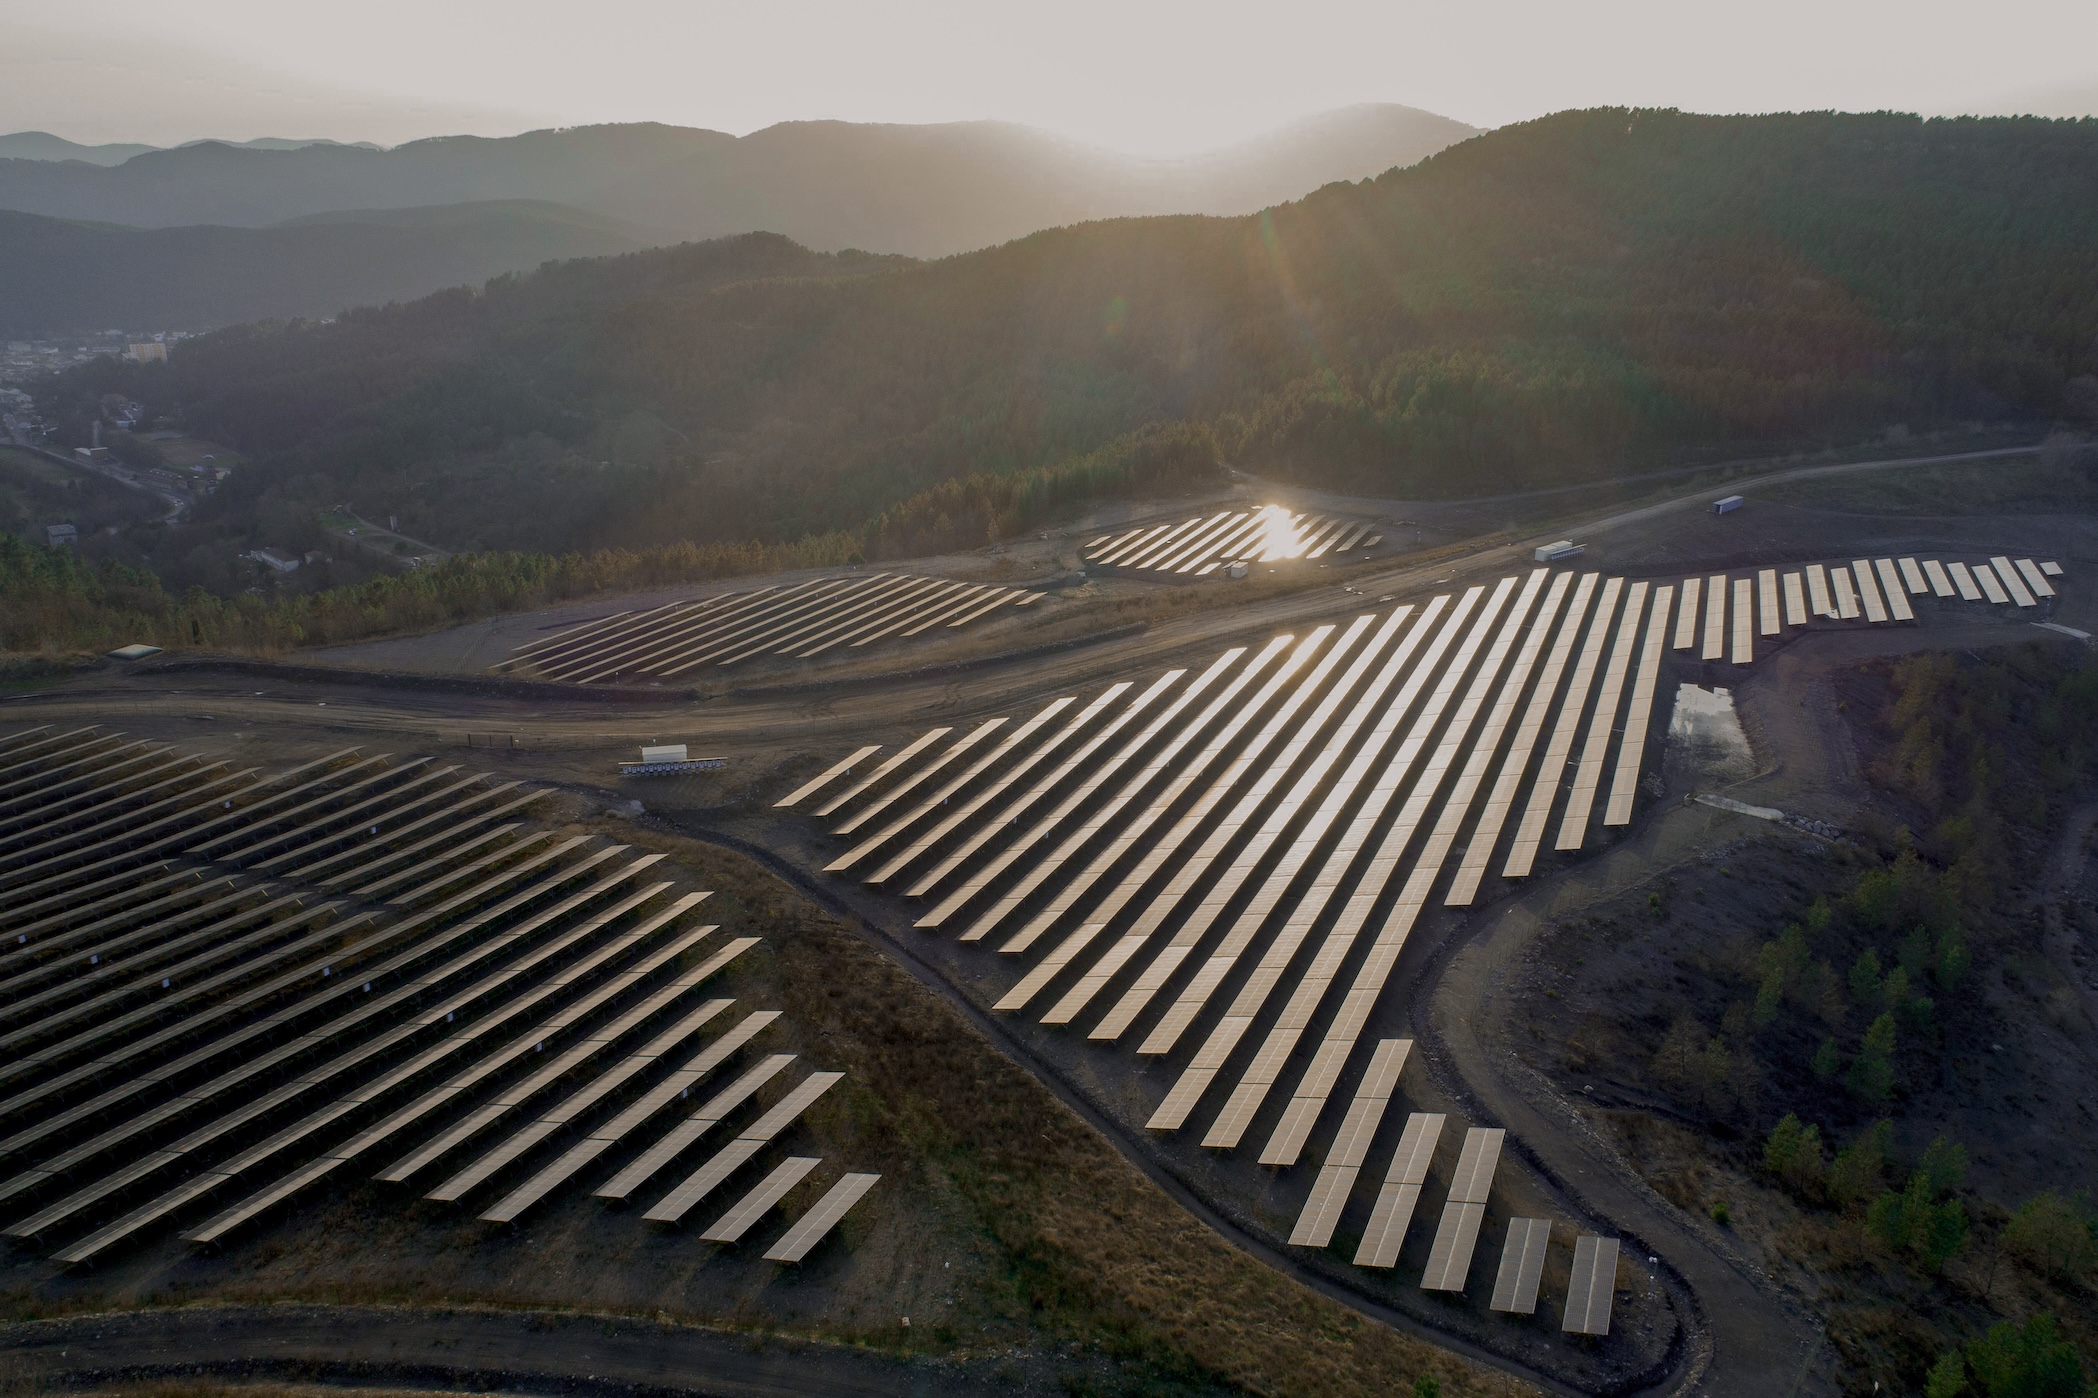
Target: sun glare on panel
1278 534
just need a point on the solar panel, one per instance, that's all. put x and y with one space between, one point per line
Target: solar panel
1795 601
1501 801
1270 832
1456 1238
1105 816
1964 581
1190 872
825 778
1010 812
1940 585
1632 749
1868 591
1686 618
703 1181
2035 579
598 954
1131 832
1544 787
1336 1178
558 1114
918 745
1042 789
1846 594
2051 569
1386 1234
1172 1112
1592 1287
732 1225
1012 741
873 616
1912 576
1289 1137
809 1230
1195 546
2012 583
1166 544
1715 617
1449 1260
1164 849
870 602
363 1008
1573 828
1766 585
1817 591
1990 585
958 748
1744 624
1052 863
1522 1266
587 1045
717 1110
1897 595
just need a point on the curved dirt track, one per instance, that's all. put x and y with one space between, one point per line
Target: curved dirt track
519 1351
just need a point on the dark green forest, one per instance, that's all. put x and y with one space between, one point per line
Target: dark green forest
1563 300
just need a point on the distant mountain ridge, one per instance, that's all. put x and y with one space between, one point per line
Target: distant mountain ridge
64 275
42 145
925 191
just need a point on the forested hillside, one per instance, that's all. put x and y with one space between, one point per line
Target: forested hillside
1567 299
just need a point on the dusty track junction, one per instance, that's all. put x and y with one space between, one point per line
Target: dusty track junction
1692 1310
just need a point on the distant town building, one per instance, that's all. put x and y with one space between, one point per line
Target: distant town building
270 558
61 535
92 453
146 352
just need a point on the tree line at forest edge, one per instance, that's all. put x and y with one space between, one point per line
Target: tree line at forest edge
1561 300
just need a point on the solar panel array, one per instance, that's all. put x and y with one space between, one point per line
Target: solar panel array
1224 864
1877 590
1198 547
220 986
823 616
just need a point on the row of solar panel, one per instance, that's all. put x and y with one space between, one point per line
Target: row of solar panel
804 620
1876 588
219 987
1199 546
1590 1293
1283 792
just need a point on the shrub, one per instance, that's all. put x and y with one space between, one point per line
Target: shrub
2052 1234
1793 1156
1872 1075
2032 1361
1859 1173
1947 1377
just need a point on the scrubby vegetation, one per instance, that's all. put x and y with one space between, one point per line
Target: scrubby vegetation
1855 1047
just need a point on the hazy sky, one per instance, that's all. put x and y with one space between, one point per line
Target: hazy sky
1129 74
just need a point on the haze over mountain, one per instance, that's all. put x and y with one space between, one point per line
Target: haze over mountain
42 145
62 275
1564 300
922 190
210 234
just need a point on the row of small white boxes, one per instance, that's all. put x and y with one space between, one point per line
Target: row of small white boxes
668 760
